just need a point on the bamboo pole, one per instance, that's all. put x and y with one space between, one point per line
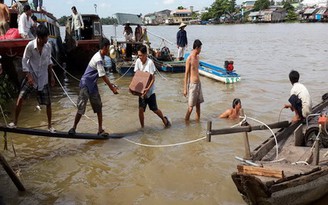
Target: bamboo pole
209 131
246 140
11 173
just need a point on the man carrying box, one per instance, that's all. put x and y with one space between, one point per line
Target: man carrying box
148 96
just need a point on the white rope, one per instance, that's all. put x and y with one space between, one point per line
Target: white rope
126 71
280 113
275 138
165 145
71 98
65 70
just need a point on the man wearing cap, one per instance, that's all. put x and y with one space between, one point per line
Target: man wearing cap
182 41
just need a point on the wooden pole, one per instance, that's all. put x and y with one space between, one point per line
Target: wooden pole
246 141
11 173
316 148
208 131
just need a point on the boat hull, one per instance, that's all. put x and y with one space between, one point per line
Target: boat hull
302 180
218 73
125 68
171 66
310 188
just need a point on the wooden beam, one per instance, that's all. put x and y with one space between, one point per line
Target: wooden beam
11 173
282 124
260 171
59 134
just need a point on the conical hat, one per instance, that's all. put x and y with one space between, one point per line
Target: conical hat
182 25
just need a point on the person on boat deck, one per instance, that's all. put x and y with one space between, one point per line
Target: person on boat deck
4 18
138 33
37 66
38 4
128 34
234 112
19 5
25 23
300 99
77 23
89 88
192 86
182 41
35 25
145 64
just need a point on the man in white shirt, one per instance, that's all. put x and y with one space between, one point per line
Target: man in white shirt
37 66
25 23
300 99
145 64
77 23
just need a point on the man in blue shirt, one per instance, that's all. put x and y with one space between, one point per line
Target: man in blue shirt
89 88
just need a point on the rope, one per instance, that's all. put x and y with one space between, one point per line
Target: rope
275 138
70 97
280 113
165 145
126 71
65 69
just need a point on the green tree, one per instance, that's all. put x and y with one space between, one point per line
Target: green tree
62 20
180 8
288 6
261 5
206 16
291 16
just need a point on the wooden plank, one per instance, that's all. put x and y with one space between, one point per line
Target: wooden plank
60 134
282 124
260 171
11 173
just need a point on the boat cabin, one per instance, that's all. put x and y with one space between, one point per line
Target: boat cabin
79 52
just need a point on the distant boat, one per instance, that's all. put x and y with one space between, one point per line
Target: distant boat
218 73
79 52
124 64
166 62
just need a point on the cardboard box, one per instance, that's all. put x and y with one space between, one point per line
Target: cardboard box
139 82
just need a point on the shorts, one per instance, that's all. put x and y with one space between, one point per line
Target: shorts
83 98
43 96
151 102
195 94
296 104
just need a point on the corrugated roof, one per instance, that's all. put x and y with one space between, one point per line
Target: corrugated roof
309 11
124 18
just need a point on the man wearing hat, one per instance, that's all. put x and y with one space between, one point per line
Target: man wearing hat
182 41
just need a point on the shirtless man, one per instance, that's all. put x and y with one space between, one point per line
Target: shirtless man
192 85
4 18
234 112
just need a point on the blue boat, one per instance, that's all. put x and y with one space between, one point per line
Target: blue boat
218 73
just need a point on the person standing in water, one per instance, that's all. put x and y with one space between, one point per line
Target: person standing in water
192 85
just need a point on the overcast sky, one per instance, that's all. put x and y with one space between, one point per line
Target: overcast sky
107 8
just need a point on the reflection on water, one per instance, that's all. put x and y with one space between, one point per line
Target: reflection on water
116 171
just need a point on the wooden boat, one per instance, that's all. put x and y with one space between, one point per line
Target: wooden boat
12 50
166 62
124 64
218 73
79 52
293 170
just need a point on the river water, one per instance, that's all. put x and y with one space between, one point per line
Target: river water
120 171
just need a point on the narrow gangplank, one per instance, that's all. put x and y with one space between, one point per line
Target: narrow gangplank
60 134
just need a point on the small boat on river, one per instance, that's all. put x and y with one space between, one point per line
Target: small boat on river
290 167
166 62
218 73
79 52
